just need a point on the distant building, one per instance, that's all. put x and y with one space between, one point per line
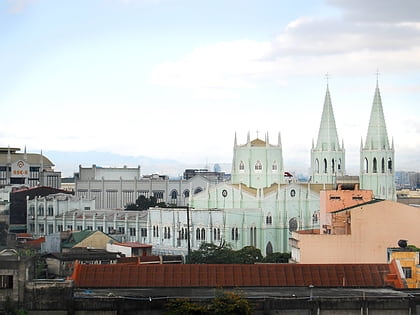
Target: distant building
29 169
130 249
114 188
409 261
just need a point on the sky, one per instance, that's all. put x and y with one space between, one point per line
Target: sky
176 79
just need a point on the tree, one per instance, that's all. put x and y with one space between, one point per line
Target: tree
223 303
277 258
209 253
143 203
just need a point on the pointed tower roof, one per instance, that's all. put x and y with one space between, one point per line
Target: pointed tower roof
327 136
377 136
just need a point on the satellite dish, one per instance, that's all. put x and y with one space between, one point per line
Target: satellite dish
402 243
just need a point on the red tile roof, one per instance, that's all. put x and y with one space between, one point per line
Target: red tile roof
265 275
133 245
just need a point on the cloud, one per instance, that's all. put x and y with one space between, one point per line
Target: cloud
379 10
350 44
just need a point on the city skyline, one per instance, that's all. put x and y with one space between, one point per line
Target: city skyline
174 80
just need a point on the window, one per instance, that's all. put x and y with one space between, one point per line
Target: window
41 228
357 198
100 228
197 190
6 282
216 234
31 210
253 236
389 164
293 224
121 230
186 193
316 166
335 198
292 193
274 166
41 210
143 232
268 219
407 272
383 166
325 166
333 165
174 195
203 234
132 231
50 229
197 234
50 210
375 166
90 227
60 228
258 166
241 166
235 234
79 228
167 232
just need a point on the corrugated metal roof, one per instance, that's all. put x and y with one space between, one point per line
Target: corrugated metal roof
266 275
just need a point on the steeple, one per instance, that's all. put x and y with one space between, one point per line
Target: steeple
377 169
377 136
327 157
327 135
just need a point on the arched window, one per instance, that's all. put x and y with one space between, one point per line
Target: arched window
253 236
258 166
241 166
383 165
293 224
165 233
186 193
389 165
235 234
325 166
50 210
366 165
197 234
181 234
31 210
41 210
174 194
274 166
269 249
316 166
268 219
333 165
375 166
339 165
169 232
203 234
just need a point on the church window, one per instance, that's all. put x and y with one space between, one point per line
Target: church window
366 166
325 166
293 224
375 166
389 164
268 219
339 165
197 190
333 165
203 234
186 193
235 234
241 166
258 166
274 166
216 234
292 193
253 236
316 166
269 249
383 166
197 234
174 195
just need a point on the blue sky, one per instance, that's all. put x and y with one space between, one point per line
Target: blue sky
175 79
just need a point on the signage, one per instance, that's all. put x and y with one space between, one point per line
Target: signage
20 169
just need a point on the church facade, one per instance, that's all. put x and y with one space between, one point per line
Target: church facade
261 206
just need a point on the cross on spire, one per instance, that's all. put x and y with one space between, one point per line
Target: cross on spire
327 76
257 133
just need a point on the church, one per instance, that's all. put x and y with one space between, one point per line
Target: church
262 205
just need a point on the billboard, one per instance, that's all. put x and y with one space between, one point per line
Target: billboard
20 169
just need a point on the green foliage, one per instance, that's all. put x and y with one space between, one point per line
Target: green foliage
213 254
10 308
143 203
223 303
277 258
413 248
184 307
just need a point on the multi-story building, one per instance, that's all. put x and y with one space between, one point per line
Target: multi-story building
114 188
28 169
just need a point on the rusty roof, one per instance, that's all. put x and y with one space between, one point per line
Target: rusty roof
233 275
